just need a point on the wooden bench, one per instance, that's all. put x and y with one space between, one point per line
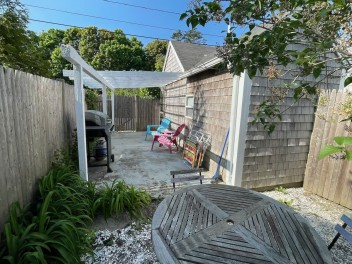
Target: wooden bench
176 176
341 231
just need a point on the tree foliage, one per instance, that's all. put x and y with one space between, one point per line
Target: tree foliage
19 47
191 36
275 29
103 49
155 52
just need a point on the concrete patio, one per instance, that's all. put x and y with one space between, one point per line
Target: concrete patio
137 165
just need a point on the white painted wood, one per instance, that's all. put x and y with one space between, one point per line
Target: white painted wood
105 108
128 79
233 114
70 54
166 56
81 67
202 67
240 128
80 121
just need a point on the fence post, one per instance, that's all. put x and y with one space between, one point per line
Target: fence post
112 97
135 113
63 104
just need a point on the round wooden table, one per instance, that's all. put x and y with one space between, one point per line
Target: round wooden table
225 224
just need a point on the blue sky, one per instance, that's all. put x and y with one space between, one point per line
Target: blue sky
108 9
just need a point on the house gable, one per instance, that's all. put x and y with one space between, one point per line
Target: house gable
182 57
172 63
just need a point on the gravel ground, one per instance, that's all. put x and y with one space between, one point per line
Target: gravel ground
132 245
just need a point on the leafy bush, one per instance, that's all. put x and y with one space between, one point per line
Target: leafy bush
119 197
91 97
54 228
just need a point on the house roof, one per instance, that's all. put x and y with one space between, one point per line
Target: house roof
191 55
195 58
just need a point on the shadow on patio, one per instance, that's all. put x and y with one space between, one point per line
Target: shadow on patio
137 165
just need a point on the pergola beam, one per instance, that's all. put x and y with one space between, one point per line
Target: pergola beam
70 54
129 79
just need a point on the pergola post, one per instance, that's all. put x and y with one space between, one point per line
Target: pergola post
80 121
105 109
81 67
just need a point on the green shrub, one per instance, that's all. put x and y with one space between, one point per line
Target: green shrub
54 229
92 99
119 197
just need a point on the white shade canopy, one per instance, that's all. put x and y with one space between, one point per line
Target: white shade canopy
128 79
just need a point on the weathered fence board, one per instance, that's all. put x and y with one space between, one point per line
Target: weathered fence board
4 164
37 118
133 113
12 187
329 178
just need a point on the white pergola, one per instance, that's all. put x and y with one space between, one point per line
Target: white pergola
84 75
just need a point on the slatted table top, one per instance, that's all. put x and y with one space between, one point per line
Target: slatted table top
226 224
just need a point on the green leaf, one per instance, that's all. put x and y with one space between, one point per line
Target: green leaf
344 141
348 81
317 72
323 12
183 15
251 26
348 154
328 150
340 3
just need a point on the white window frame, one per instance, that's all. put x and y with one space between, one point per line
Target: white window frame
187 106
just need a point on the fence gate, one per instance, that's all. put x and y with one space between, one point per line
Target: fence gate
133 113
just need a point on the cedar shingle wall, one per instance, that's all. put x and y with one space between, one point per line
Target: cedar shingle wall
279 159
212 105
173 102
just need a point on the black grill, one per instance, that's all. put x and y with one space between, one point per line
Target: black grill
99 124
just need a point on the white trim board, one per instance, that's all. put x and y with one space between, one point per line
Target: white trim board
238 127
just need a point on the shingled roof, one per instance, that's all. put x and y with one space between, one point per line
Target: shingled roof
191 55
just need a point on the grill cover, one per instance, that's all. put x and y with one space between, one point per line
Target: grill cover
97 118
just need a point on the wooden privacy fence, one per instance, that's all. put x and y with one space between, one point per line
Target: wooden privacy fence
36 118
133 113
329 178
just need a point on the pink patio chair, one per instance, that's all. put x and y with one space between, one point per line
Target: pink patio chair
168 138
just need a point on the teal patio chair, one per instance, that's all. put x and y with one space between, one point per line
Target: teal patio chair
165 124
